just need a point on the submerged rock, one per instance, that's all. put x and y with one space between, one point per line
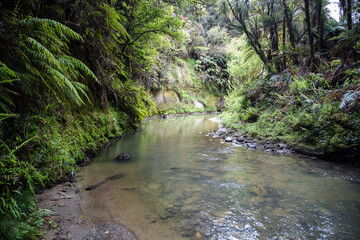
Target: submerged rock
259 190
114 177
123 157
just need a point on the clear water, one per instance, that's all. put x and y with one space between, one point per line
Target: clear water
183 184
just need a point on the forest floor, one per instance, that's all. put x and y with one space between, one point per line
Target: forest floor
65 221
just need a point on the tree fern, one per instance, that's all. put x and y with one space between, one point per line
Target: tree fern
41 52
114 21
73 62
43 57
7 76
64 85
60 29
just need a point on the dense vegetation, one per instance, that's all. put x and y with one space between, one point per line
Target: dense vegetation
296 72
75 74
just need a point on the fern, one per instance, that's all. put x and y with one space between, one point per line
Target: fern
349 98
113 20
43 58
42 53
60 29
73 62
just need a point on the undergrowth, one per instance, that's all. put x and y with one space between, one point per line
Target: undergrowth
46 152
300 109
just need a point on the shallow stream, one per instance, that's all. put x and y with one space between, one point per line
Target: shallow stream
183 184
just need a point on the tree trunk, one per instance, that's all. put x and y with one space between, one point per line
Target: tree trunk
319 23
289 23
273 30
284 34
349 14
308 24
284 43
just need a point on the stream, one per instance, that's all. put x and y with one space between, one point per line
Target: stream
184 184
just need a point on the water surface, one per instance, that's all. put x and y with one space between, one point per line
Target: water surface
183 184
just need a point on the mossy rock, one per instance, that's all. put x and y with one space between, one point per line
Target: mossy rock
307 149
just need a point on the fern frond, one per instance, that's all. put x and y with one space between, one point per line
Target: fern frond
21 145
113 20
73 62
82 88
42 52
57 45
64 84
8 115
59 28
6 73
348 98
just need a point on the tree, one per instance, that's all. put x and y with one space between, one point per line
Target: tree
240 11
309 31
346 7
319 23
289 23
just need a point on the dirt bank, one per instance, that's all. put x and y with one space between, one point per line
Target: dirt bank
65 221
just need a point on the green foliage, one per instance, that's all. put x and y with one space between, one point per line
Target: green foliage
216 74
302 111
41 58
18 219
244 65
350 99
7 77
51 154
217 36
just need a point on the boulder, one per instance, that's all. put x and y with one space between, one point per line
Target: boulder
123 157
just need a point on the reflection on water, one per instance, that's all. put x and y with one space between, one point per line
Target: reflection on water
182 184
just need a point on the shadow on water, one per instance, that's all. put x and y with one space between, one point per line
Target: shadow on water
182 184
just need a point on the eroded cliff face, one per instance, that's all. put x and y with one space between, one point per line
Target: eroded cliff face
166 98
184 90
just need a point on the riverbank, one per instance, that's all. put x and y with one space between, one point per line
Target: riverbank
345 156
65 221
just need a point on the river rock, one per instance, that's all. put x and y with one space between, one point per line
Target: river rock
240 139
259 190
123 157
260 147
222 131
280 213
251 145
228 139
282 145
237 134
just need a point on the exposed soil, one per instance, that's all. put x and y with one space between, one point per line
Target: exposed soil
65 220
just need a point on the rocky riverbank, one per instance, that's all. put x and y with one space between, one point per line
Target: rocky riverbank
242 140
346 156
